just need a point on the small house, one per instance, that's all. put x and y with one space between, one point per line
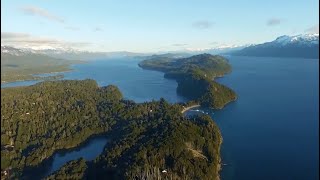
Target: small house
164 171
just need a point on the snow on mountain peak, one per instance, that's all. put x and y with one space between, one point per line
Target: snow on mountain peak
300 39
12 51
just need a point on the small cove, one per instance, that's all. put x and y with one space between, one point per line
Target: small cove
89 151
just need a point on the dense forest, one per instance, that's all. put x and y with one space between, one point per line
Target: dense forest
147 140
195 77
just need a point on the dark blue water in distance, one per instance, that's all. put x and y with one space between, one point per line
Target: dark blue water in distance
270 132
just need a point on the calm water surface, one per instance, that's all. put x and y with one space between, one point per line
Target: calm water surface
270 132
89 151
135 83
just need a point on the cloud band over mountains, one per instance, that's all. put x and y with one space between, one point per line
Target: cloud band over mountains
23 40
313 30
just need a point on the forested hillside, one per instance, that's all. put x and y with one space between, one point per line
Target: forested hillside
145 138
195 76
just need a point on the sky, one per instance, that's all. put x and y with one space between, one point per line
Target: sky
153 26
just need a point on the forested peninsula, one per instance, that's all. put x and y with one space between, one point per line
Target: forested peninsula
147 140
195 77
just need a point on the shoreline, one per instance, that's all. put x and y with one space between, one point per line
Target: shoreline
185 109
38 77
219 166
189 107
46 163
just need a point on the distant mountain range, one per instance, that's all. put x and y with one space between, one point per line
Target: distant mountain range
21 64
72 54
299 46
87 55
8 50
9 54
220 50
69 54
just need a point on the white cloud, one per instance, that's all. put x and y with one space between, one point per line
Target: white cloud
274 21
98 29
313 30
12 35
36 11
23 40
202 24
72 28
179 44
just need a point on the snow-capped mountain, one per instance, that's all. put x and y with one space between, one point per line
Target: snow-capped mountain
8 50
223 49
226 49
87 55
304 39
74 54
66 53
300 46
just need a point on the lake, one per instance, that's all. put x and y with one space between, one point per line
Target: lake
270 132
135 83
89 151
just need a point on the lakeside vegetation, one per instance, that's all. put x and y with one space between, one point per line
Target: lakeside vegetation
75 169
195 77
147 140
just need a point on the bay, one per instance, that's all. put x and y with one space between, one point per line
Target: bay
270 132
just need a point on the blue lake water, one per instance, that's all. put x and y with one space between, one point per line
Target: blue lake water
270 132
135 83
88 151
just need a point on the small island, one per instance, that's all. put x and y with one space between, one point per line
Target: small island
195 77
